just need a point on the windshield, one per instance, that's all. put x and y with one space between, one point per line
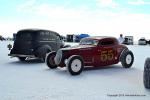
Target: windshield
88 42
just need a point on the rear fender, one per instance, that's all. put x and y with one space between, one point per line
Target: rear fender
125 49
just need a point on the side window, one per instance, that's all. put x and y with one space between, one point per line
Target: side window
108 42
52 36
41 36
47 36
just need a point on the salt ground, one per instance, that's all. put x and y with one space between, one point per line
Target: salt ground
33 80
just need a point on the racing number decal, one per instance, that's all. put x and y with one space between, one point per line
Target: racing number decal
110 55
107 55
103 55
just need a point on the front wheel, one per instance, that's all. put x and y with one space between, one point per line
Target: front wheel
75 65
127 59
146 74
50 60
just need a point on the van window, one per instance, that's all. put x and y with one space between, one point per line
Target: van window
47 36
24 35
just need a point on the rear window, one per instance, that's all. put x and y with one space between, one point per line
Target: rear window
24 35
110 42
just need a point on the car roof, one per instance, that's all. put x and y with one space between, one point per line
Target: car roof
100 37
36 30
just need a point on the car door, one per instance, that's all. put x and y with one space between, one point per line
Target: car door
105 53
87 54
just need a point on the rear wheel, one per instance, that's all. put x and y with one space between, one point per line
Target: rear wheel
127 59
50 60
75 65
22 58
146 74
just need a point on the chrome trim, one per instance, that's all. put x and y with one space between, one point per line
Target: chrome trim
20 55
58 57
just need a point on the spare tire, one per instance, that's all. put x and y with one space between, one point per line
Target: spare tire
42 51
146 74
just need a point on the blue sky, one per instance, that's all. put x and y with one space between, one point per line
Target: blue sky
96 17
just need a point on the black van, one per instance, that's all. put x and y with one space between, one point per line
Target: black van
31 43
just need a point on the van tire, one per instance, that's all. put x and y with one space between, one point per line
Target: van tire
42 51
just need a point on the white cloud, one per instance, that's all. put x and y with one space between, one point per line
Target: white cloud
107 3
76 20
27 5
139 2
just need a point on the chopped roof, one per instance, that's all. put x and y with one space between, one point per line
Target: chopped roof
100 37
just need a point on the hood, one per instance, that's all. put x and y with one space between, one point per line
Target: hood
78 47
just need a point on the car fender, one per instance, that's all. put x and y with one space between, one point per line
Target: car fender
125 49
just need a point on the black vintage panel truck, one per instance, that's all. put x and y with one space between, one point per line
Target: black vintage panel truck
35 43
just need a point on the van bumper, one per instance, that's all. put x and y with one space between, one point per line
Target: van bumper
20 55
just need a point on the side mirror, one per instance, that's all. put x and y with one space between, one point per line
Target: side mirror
9 46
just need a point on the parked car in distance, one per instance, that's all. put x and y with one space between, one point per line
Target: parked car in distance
148 42
146 74
128 40
35 43
92 51
142 41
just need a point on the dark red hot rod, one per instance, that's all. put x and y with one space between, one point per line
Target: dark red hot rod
91 51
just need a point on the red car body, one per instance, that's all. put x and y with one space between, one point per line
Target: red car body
92 51
101 54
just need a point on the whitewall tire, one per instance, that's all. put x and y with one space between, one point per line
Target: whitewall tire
75 65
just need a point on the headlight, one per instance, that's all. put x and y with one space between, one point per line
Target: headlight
58 57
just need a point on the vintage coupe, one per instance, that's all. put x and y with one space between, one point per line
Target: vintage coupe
91 51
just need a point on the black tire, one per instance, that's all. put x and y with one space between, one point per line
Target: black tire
75 65
146 74
42 51
50 60
22 58
127 59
